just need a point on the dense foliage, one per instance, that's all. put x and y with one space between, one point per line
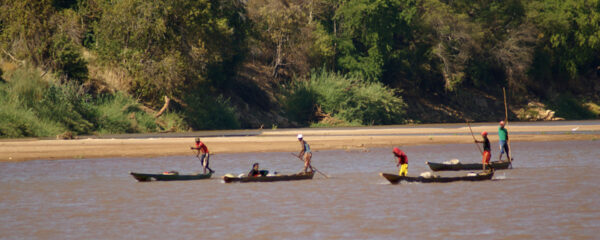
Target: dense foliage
214 58
344 97
31 106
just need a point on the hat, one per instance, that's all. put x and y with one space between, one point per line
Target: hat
299 136
484 133
397 151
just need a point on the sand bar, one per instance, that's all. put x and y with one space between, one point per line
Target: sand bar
285 140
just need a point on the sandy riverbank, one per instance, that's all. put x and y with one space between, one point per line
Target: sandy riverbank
285 140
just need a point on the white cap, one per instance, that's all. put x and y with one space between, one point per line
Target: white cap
299 136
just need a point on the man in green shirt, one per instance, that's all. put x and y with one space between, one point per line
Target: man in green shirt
503 136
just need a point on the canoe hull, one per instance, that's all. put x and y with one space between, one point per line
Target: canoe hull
291 177
395 179
147 177
466 166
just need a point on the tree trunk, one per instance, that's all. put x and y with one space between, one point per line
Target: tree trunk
164 108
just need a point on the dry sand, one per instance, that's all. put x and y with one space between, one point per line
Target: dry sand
285 140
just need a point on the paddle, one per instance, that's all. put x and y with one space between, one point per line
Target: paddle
317 170
478 147
506 124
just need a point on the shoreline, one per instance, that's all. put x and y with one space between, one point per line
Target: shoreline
284 140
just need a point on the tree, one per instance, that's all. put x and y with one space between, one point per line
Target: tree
369 34
26 29
168 45
570 36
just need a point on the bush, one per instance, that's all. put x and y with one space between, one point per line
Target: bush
205 112
568 107
173 122
120 113
301 103
345 98
67 61
31 107
65 105
19 121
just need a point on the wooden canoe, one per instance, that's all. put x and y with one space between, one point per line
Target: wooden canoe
291 177
395 179
146 177
466 166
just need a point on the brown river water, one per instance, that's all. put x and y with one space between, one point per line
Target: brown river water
553 192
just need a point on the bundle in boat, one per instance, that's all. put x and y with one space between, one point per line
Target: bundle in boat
168 176
455 165
269 178
430 178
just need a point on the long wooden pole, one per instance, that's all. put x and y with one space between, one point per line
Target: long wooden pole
311 166
472 135
506 125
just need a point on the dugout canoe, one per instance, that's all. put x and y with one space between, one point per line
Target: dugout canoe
277 178
466 166
147 177
395 179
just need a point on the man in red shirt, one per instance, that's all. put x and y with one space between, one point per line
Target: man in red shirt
201 147
402 161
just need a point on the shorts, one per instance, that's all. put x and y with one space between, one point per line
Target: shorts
503 146
204 159
486 157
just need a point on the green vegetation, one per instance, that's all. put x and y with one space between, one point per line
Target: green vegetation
105 66
346 98
570 107
31 106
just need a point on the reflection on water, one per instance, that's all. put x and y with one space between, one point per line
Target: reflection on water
553 192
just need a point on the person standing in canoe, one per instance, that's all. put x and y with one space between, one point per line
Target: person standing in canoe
402 161
487 154
503 137
204 159
305 154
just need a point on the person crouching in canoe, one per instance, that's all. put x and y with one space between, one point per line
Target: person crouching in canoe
487 154
254 172
305 154
204 159
402 161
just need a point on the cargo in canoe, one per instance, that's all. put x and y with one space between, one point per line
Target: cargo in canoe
395 179
146 177
466 166
291 177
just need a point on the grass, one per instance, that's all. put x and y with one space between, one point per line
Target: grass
33 107
344 99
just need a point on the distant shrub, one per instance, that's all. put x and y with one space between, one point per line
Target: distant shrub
569 107
173 122
67 60
119 113
344 98
301 103
207 112
32 107
65 105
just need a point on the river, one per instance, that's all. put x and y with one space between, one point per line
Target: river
553 192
